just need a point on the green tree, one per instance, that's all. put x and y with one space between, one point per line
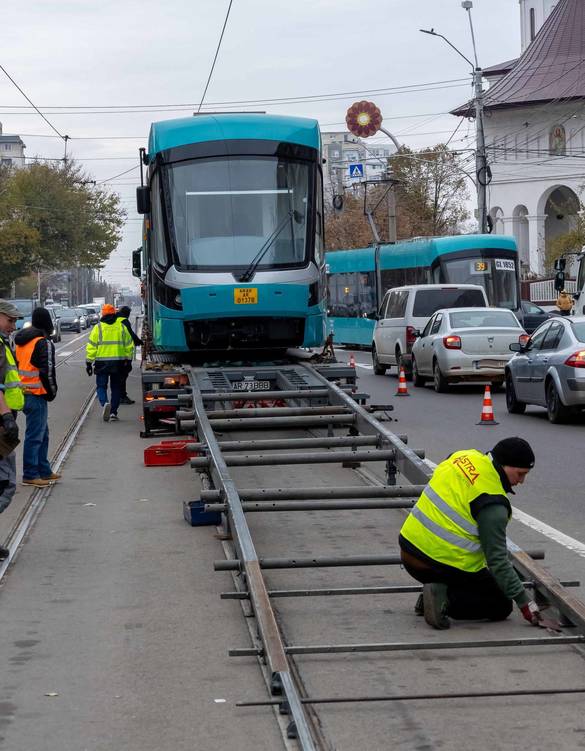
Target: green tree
52 218
570 242
431 199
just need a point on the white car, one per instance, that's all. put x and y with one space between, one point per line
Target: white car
406 309
465 344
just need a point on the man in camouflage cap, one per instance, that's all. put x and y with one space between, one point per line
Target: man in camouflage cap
11 401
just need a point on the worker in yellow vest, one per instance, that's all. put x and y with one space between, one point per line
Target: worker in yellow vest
108 355
11 401
454 539
35 353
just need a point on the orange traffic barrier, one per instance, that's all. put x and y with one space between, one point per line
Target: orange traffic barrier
402 387
352 360
487 410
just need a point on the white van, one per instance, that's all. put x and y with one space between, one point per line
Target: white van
405 311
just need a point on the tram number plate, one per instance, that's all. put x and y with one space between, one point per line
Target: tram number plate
246 296
251 386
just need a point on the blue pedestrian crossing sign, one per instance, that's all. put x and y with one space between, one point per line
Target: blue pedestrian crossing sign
356 170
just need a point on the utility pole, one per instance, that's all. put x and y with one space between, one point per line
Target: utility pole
482 170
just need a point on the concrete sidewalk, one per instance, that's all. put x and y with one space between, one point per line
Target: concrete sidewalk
113 633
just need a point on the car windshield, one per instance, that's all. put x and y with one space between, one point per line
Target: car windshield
428 301
69 312
223 212
579 330
471 319
496 275
25 307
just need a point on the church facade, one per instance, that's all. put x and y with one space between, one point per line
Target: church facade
535 130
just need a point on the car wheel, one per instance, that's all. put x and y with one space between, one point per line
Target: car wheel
557 412
379 369
440 383
417 379
514 406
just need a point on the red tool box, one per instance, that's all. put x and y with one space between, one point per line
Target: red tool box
169 453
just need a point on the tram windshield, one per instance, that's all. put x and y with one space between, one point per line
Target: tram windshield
227 213
498 276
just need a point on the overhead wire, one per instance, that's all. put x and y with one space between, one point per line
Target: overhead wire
227 15
28 99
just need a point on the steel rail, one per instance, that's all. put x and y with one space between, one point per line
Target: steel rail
268 631
38 497
322 493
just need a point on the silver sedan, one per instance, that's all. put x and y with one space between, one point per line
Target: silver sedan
550 369
465 344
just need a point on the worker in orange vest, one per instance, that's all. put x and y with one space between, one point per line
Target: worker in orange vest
35 354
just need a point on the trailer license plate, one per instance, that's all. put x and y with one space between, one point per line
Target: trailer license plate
251 386
246 295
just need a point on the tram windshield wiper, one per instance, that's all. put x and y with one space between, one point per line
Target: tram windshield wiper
249 272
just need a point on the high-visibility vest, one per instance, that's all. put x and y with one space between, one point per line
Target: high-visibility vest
441 524
109 341
11 387
30 376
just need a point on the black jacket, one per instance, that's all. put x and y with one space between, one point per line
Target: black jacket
135 338
43 358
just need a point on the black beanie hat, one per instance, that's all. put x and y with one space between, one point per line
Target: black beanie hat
514 452
125 311
41 319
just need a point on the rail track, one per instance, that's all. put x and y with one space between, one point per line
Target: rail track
38 497
295 504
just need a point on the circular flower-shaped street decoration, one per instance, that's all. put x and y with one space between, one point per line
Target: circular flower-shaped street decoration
363 119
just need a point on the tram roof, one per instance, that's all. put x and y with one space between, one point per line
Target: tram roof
168 134
416 252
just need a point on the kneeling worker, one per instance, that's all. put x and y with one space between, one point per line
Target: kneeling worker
454 539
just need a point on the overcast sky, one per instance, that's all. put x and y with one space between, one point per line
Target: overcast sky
144 54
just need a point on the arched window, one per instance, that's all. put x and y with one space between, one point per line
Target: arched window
532 24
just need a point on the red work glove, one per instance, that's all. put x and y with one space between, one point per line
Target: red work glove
531 612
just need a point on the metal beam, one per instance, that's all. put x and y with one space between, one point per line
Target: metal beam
250 423
314 457
299 494
290 443
225 414
317 649
278 505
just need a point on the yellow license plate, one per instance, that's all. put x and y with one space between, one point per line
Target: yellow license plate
246 295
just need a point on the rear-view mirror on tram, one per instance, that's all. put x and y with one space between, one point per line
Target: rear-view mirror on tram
137 263
143 200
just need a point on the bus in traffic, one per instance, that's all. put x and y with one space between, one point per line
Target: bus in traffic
359 278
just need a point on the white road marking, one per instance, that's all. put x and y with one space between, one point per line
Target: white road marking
575 546
365 367
71 341
64 354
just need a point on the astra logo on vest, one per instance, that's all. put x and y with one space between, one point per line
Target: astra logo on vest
465 465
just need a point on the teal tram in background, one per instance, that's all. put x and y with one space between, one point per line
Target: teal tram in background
358 279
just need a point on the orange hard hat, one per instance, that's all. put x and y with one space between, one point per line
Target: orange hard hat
108 309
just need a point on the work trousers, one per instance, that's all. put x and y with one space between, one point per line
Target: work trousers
36 438
101 382
471 596
123 380
7 480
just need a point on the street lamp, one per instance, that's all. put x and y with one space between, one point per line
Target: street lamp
482 171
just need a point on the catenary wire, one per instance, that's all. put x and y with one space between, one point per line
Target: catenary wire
227 15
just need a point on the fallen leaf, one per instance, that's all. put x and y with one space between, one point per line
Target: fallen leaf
89 504
52 693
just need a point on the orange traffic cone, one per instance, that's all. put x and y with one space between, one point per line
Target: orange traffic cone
487 411
402 388
352 360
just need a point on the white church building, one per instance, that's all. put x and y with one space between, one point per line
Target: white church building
535 129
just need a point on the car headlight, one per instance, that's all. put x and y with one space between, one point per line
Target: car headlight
76 320
26 324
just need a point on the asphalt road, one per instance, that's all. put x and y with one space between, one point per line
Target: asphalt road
443 423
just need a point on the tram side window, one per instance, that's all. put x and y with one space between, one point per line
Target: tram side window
352 295
401 277
157 236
